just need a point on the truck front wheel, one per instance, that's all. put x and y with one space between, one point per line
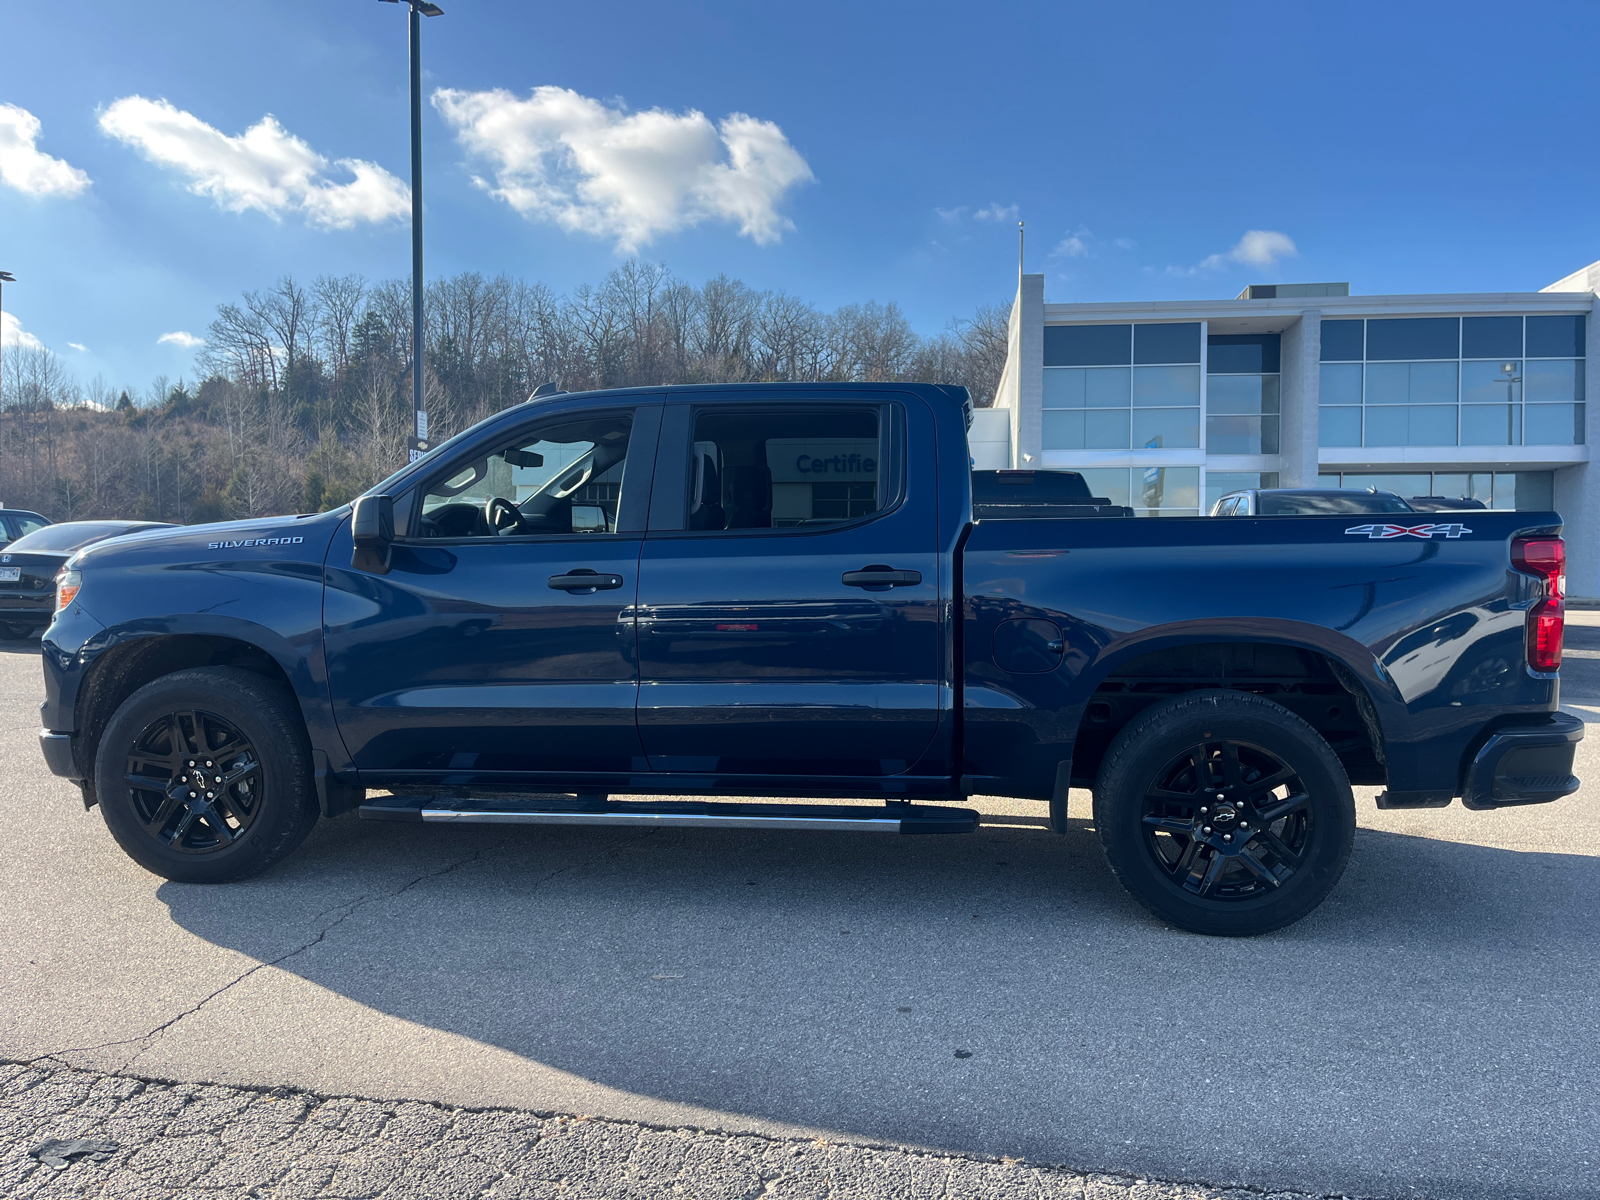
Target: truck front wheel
1224 813
204 776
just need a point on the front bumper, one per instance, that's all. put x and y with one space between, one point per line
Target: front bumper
58 756
1524 764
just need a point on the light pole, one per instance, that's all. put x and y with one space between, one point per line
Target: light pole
5 278
418 441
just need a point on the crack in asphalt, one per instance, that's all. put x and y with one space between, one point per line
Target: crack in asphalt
350 907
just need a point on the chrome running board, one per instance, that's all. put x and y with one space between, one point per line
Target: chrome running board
669 814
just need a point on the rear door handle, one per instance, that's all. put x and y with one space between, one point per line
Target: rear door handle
880 577
582 581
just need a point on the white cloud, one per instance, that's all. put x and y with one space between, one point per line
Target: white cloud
79 347
180 337
14 337
265 168
591 168
1257 248
28 169
995 211
951 215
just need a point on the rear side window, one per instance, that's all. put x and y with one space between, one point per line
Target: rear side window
23 526
788 469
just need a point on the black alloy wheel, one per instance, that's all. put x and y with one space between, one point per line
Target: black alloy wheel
1224 813
1228 820
195 781
204 775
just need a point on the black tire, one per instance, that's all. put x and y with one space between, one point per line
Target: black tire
251 740
1265 856
18 630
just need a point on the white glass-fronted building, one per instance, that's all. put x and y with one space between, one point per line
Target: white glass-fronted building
1167 405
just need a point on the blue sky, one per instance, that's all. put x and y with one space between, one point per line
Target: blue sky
887 153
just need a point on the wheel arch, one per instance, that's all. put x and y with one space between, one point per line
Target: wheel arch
126 666
1163 661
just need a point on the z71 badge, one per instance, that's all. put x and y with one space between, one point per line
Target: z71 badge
1417 531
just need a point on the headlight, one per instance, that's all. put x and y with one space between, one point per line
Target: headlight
67 585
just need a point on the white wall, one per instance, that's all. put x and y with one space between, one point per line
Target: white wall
990 439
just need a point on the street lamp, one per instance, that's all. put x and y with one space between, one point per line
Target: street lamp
5 278
418 441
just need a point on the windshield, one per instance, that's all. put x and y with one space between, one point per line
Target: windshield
75 536
1309 504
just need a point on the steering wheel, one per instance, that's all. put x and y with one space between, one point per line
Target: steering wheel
498 507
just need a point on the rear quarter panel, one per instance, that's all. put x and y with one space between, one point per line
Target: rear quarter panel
1433 629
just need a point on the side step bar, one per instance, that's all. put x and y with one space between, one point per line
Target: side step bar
894 817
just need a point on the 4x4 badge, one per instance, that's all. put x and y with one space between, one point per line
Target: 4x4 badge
1417 531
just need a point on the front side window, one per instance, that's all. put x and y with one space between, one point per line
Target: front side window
563 478
787 469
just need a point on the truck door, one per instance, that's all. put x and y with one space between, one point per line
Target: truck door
501 642
789 616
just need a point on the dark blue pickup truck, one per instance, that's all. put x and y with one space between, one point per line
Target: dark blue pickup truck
786 592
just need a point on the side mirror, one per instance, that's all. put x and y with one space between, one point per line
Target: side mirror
588 518
372 532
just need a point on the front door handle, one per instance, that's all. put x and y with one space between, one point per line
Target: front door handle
876 576
581 581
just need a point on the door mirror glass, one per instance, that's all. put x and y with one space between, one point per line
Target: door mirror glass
588 518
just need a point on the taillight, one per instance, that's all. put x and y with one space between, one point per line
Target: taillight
67 585
1546 558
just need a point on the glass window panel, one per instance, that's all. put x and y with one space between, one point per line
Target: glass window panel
1339 427
1433 424
1178 343
1415 484
1489 424
1535 491
1388 383
1552 380
1105 429
1411 425
1341 383
1254 394
1110 482
1063 429
1242 353
1505 491
1414 337
1269 434
1234 435
1491 382
1491 337
1556 337
1553 425
1087 345
1107 388
1434 383
1480 486
1063 387
1168 487
1166 428
1341 341
1166 386
1448 485
1329 481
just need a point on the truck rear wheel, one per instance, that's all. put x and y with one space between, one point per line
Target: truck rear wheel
204 776
1224 813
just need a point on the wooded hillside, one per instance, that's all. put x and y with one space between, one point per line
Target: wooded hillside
304 394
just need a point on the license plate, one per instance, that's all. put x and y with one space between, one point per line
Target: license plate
10 574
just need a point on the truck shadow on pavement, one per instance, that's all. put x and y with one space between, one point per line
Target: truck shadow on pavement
996 993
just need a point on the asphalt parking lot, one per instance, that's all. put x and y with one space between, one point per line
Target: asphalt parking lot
1429 1031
